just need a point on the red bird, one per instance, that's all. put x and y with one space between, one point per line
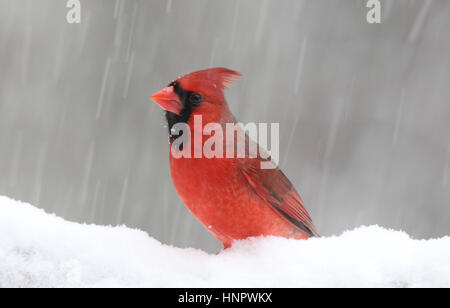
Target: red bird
232 197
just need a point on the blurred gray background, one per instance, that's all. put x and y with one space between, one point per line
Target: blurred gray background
364 110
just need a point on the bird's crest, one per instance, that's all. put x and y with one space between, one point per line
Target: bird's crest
214 78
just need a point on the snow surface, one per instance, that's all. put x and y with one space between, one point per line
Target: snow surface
42 250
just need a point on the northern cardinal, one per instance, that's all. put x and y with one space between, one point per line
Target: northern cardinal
232 197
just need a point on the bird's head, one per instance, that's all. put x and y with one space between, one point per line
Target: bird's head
197 93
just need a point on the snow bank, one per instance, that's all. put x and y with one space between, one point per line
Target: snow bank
42 250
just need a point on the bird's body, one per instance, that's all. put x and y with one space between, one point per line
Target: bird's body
232 210
232 197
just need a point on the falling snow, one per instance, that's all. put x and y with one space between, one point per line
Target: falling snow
363 109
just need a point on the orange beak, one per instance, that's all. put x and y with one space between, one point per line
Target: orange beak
168 100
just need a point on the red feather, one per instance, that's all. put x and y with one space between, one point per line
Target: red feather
213 78
272 186
232 197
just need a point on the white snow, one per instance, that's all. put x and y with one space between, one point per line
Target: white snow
42 250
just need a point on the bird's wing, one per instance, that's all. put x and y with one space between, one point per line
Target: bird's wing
272 186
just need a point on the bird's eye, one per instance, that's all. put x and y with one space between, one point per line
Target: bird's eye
195 98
